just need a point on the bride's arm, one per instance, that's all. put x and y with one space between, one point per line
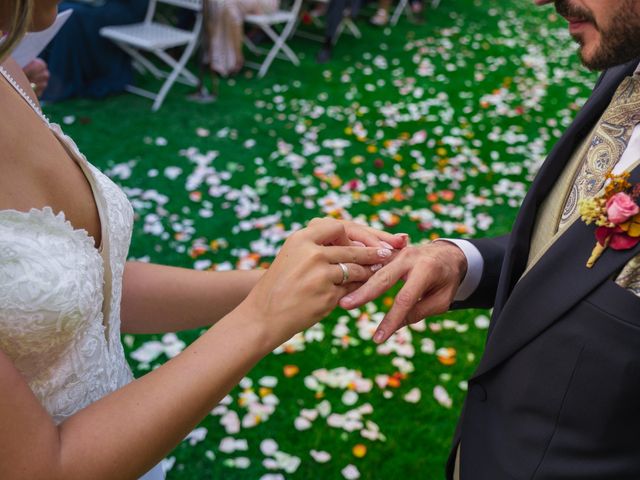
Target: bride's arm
127 432
158 298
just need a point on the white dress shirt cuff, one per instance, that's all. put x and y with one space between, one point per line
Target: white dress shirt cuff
475 265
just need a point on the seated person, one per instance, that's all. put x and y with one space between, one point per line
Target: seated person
226 31
81 62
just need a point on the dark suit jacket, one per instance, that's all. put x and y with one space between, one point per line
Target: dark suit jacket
557 393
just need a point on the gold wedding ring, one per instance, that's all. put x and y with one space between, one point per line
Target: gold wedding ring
345 273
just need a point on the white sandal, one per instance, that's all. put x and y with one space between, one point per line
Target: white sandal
381 18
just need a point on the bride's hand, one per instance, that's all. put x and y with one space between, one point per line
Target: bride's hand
364 235
306 280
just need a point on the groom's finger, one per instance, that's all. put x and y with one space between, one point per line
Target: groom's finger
346 289
433 304
406 299
380 282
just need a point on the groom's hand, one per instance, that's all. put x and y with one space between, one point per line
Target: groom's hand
432 274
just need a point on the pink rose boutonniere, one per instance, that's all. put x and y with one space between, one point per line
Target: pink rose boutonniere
616 214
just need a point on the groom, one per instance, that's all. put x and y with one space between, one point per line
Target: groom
557 393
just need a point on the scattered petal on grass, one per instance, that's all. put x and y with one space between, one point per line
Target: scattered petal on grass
350 472
196 436
359 450
268 447
442 396
482 322
413 396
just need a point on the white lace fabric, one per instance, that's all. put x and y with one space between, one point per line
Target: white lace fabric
54 323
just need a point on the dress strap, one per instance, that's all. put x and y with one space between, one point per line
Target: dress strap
23 94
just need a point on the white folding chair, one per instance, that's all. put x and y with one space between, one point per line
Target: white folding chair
279 27
403 6
157 38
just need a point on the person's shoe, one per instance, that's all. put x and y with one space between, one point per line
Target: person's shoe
381 18
324 55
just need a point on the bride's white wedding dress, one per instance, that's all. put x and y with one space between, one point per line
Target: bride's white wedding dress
60 295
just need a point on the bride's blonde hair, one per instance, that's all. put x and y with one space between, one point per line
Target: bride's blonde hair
20 11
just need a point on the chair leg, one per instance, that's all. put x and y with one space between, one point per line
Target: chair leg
178 69
142 60
184 76
352 27
402 6
279 44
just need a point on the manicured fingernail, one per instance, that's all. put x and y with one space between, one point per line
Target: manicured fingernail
355 243
378 336
384 253
376 267
347 299
386 245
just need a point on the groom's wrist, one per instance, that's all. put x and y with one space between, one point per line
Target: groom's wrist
474 265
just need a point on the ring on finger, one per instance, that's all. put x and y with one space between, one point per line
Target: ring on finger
345 273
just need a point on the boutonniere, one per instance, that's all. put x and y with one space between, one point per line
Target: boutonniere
616 214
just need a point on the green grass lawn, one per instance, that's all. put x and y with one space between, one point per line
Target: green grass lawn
434 129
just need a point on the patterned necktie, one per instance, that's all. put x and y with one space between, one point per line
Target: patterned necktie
609 141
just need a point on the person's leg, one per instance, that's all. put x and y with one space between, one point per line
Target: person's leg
225 26
227 31
333 18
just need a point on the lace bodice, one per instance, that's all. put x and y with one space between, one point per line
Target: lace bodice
60 297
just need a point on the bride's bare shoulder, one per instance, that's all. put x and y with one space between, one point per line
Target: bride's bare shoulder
23 144
12 67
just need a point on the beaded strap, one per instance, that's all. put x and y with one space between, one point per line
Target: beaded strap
24 94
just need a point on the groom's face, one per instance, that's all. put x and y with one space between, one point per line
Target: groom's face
608 31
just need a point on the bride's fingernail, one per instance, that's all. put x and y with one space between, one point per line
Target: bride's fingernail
386 245
376 267
384 253
356 243
378 336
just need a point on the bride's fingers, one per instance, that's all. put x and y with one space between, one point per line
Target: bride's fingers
344 273
372 237
360 255
327 231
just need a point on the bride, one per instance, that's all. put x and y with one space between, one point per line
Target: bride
69 407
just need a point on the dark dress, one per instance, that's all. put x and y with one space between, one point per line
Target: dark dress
81 62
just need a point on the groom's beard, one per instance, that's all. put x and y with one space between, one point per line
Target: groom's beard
619 41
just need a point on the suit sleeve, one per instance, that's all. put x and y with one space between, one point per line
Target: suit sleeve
492 251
